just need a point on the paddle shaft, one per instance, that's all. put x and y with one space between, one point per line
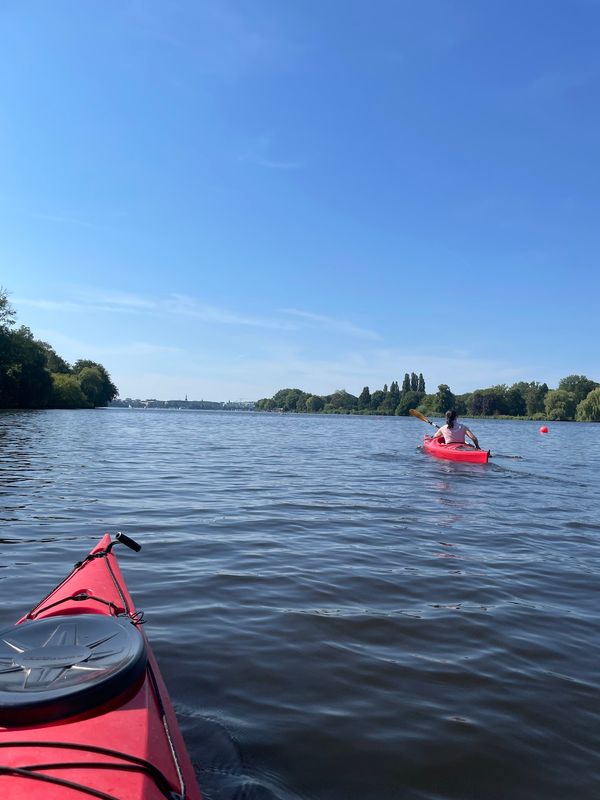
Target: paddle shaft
414 413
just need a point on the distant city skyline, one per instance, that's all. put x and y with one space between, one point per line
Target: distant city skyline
223 200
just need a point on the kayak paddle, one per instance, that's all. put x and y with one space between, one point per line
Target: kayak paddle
414 413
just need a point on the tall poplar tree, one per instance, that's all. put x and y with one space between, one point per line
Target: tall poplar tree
364 398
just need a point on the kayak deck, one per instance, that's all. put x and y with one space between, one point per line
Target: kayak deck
455 451
126 747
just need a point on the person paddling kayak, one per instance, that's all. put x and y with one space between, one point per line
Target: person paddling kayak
454 431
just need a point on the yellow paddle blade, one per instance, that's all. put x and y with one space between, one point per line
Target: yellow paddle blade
414 413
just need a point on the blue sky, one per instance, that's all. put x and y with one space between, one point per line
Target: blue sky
222 199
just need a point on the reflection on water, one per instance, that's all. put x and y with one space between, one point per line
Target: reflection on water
337 614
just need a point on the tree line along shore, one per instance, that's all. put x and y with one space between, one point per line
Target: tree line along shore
576 397
33 375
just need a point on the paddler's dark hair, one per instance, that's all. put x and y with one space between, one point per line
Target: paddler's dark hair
450 417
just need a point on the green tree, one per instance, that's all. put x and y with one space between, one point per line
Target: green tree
26 366
588 410
533 394
92 385
579 385
488 402
7 312
406 383
394 395
287 399
10 375
407 401
421 383
377 399
534 398
26 382
9 369
463 404
364 399
515 403
67 393
414 382
444 399
108 391
265 404
54 363
314 404
428 405
560 404
387 406
341 399
301 403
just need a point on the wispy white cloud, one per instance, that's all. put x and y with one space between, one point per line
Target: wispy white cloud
114 299
87 299
80 305
91 300
104 220
343 326
216 38
143 349
60 219
63 219
271 163
555 83
47 305
73 348
260 152
188 306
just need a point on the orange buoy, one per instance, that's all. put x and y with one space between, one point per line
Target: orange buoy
544 429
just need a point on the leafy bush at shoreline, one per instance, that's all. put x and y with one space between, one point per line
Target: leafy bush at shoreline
33 375
588 409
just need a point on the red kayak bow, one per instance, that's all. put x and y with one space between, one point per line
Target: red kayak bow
84 711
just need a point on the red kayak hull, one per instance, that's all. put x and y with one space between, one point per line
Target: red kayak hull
455 452
98 753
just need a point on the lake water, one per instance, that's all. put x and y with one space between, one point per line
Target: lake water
337 614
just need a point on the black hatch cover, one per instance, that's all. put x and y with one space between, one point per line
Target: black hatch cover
59 666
